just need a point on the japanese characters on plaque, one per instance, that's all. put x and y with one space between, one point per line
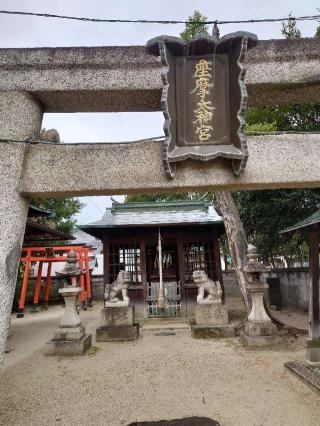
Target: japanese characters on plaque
203 98
204 110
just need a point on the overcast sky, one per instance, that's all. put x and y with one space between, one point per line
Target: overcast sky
18 31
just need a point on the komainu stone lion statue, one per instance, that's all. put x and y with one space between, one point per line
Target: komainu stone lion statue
209 292
118 288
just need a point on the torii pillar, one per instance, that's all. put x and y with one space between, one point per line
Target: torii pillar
20 120
313 342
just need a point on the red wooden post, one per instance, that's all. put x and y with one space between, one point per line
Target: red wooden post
24 287
81 279
88 283
37 288
47 287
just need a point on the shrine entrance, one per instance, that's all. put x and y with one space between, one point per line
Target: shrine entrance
170 282
160 244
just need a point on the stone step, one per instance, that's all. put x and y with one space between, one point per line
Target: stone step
165 326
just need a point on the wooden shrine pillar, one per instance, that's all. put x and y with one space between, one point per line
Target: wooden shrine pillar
313 343
106 268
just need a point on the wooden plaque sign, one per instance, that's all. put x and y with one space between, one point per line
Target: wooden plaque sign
203 98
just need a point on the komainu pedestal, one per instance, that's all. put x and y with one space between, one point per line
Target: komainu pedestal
117 317
117 324
211 316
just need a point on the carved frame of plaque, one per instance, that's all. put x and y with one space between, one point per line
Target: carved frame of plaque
200 123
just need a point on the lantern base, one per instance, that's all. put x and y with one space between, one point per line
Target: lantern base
258 334
69 347
213 332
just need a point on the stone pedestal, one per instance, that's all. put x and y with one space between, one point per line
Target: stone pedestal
117 324
71 337
211 314
260 334
259 329
313 352
211 321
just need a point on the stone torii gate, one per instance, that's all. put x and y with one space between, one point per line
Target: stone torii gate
110 79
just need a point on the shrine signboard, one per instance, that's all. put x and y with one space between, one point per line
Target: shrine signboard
204 98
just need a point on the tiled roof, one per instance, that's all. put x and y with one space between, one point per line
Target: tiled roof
37 211
148 214
304 224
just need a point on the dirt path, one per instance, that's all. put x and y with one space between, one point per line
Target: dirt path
158 377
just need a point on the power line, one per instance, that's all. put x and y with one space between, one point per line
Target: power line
145 21
94 204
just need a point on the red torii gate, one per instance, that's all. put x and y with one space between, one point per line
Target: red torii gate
50 255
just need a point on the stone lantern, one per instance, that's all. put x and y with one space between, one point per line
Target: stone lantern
70 338
259 329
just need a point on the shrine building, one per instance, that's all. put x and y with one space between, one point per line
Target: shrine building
187 233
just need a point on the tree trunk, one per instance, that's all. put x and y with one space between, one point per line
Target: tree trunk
236 238
237 245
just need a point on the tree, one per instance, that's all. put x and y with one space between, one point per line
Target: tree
164 196
289 29
63 210
195 26
264 213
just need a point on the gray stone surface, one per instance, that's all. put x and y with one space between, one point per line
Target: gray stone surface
117 324
310 375
256 329
259 341
127 79
313 352
294 287
95 171
216 332
117 316
211 314
71 337
20 118
73 334
119 333
69 347
71 318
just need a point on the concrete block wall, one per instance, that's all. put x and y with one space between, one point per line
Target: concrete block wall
294 287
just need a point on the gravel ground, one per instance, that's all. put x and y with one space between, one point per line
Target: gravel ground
157 377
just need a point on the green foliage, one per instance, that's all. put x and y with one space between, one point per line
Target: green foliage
165 196
317 34
195 26
63 209
265 213
261 127
289 29
298 118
